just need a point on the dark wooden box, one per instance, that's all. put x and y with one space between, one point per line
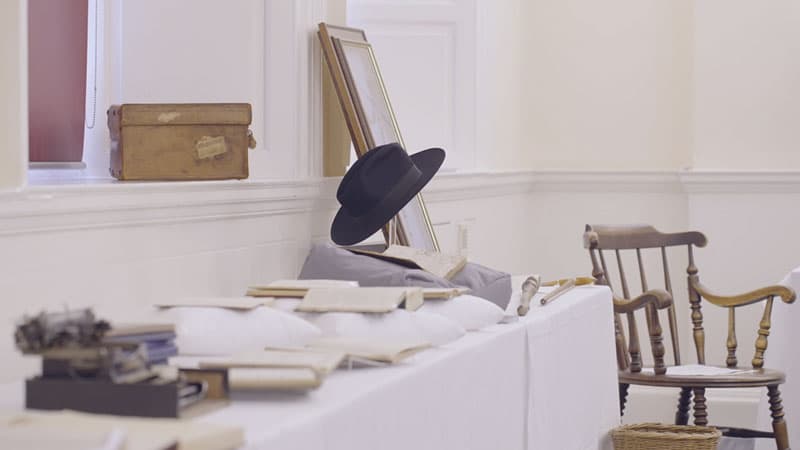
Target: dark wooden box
134 399
203 141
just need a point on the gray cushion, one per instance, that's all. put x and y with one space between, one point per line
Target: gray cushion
326 261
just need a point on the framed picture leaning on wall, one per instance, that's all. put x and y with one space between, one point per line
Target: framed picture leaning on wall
369 116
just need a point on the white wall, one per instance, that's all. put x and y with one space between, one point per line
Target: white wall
500 74
607 85
747 94
13 94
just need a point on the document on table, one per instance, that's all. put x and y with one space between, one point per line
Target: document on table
698 370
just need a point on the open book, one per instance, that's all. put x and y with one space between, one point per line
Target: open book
295 288
440 264
386 351
367 300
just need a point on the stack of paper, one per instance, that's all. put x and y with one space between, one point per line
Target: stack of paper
295 288
698 370
367 300
158 339
323 362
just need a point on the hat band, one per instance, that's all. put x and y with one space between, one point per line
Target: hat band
395 194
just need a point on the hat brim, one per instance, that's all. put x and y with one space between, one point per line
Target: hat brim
349 230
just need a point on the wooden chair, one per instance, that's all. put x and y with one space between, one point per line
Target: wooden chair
613 240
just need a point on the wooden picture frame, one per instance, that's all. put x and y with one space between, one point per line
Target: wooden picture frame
369 115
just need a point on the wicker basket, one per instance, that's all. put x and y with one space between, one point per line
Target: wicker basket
656 436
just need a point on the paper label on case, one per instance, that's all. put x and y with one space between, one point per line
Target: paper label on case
209 147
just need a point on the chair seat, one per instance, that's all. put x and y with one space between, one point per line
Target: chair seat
749 378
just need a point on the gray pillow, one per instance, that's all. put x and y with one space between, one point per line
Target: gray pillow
326 261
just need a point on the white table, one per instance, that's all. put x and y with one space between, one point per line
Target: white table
546 382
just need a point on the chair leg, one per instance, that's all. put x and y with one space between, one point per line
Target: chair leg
623 397
682 415
778 423
700 414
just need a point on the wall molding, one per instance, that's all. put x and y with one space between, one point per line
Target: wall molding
587 181
740 182
106 203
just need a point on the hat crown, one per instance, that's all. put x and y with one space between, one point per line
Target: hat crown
374 176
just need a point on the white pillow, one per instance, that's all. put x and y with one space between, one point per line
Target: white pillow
399 324
472 313
221 331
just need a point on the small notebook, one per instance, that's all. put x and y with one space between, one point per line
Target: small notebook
216 302
295 288
365 300
387 351
323 362
440 264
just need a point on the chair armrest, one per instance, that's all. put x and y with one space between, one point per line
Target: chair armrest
658 297
786 294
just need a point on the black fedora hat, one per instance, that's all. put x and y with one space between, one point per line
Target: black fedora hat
377 187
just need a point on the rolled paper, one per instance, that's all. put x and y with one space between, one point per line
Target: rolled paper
529 288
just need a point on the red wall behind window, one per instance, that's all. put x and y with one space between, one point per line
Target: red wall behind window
57 32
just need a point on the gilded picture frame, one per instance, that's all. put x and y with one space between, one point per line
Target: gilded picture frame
370 117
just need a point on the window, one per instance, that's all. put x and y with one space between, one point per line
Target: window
57 67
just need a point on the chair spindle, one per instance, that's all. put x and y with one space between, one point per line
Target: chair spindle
642 276
763 333
673 322
697 316
653 324
731 360
625 292
634 349
623 359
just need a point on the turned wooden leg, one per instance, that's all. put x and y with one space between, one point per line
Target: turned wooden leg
778 423
623 397
682 415
700 414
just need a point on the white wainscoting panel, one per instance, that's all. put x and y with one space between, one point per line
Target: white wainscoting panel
426 53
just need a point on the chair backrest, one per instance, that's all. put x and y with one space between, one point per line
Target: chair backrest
602 240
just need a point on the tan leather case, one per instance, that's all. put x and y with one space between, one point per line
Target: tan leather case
180 141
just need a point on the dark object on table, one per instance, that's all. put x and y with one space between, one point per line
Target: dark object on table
75 328
82 372
204 141
377 186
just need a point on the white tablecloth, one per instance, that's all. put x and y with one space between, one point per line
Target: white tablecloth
546 382
782 355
